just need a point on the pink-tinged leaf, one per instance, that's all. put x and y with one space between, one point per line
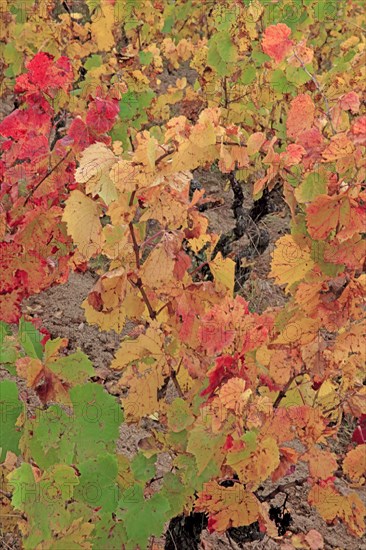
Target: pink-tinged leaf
350 102
358 131
300 116
292 155
313 143
276 42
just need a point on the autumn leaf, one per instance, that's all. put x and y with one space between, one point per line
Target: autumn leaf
338 213
322 464
82 216
354 464
55 375
276 42
331 505
102 26
290 262
300 116
95 164
223 270
340 150
254 467
227 506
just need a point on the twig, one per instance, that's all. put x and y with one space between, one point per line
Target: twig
282 488
173 541
282 393
140 286
162 307
164 155
198 268
150 239
173 376
229 539
136 247
226 100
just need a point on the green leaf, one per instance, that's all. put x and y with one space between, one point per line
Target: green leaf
98 482
176 493
13 58
168 25
143 468
142 518
146 58
5 330
314 184
187 468
93 61
222 53
97 417
280 84
179 415
10 409
8 349
205 447
46 439
30 339
297 75
108 534
259 57
248 75
74 368
43 501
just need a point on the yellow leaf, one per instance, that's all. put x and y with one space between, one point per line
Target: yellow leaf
223 270
290 263
146 345
105 305
95 164
124 176
256 467
81 215
331 505
102 25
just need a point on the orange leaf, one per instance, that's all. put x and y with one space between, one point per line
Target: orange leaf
227 506
354 464
300 116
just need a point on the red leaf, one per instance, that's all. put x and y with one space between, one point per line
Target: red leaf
102 114
45 75
21 124
359 434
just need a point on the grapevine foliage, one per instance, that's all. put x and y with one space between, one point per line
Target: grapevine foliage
97 158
